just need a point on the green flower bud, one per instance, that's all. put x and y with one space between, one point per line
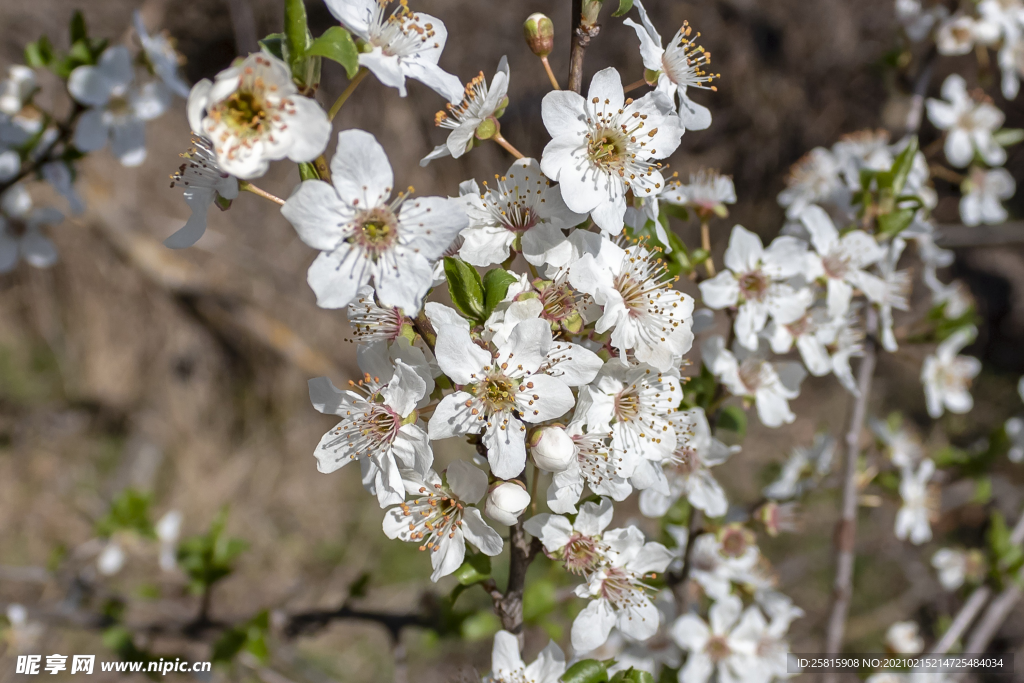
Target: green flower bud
540 34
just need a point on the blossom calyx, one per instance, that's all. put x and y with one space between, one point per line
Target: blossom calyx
506 501
539 32
552 448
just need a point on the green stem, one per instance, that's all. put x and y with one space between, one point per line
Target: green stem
352 85
246 186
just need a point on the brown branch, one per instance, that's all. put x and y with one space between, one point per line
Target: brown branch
924 77
953 236
846 529
584 29
66 130
972 607
510 606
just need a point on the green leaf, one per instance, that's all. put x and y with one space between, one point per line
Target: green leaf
337 45
586 671
275 45
895 222
480 626
40 53
733 419
307 171
1008 136
251 636
77 28
902 166
297 36
357 589
208 558
128 512
81 53
465 287
475 568
496 283
624 7
982 491
633 676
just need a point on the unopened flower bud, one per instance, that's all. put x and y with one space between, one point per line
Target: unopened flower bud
506 502
540 34
553 450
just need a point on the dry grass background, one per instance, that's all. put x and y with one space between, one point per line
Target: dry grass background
185 373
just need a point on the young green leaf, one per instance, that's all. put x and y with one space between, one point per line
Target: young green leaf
586 671
475 568
624 7
337 45
496 284
78 30
734 419
1005 137
895 222
307 171
465 287
902 166
40 53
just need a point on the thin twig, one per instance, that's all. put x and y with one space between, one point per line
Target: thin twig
846 529
510 606
551 74
634 85
582 32
972 607
246 186
924 77
347 93
243 24
953 236
507 145
705 244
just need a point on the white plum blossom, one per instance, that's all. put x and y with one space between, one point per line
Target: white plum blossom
842 260
439 515
500 391
117 110
755 280
955 567
507 664
22 635
969 124
17 89
687 468
913 521
20 233
983 193
640 307
371 322
813 179
401 44
634 403
1011 64
959 34
916 20
111 559
896 294
772 649
725 644
506 502
520 208
619 597
810 334
679 66
707 194
576 544
605 146
253 114
902 445
803 466
947 376
479 103
363 233
864 150
375 429
1006 15
770 386
203 183
594 464
714 569
161 57
168 530
904 637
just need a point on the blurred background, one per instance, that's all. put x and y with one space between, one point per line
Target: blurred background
183 374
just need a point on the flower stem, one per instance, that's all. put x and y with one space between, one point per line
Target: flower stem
551 74
352 85
246 186
322 169
508 146
705 244
533 489
636 84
